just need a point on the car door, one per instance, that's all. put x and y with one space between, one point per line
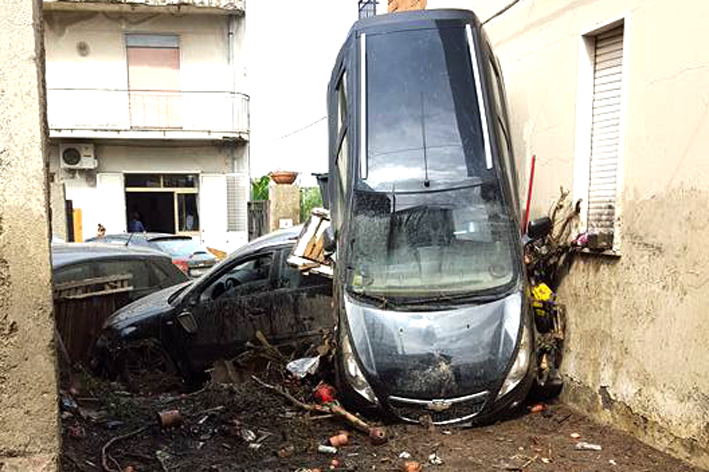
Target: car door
229 310
301 304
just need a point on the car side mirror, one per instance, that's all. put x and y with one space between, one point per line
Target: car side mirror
329 241
539 228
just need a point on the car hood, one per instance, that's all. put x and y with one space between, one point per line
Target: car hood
143 308
436 354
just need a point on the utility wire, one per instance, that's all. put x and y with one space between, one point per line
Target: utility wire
303 128
514 2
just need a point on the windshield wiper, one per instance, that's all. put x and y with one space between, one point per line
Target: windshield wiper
382 300
473 297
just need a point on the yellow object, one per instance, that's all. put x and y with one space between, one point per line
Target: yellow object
542 293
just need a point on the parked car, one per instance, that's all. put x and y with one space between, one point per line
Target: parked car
185 328
151 270
188 255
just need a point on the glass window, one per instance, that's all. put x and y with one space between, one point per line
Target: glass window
139 271
143 180
342 103
179 247
423 122
73 273
431 243
187 215
291 277
178 180
245 277
503 139
167 274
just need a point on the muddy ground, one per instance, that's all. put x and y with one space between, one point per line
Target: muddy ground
245 427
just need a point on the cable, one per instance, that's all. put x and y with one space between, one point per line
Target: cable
304 127
514 2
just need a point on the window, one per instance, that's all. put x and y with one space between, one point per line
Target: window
140 276
246 277
343 158
154 80
503 137
237 194
599 138
72 273
292 277
423 121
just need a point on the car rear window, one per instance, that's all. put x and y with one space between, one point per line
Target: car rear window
73 273
179 247
135 267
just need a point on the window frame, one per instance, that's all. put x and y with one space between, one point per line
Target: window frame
584 123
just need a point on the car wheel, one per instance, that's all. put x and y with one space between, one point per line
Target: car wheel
146 366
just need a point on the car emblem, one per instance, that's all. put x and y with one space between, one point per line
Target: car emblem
438 405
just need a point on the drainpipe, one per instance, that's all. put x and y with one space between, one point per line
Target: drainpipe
231 51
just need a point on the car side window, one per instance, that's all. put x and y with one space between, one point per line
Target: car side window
249 275
292 277
72 273
137 268
166 274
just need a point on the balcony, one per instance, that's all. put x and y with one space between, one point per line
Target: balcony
147 114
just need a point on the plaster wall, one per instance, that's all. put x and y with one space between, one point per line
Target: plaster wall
285 204
637 323
29 435
89 90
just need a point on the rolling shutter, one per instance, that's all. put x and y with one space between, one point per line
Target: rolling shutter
237 193
605 131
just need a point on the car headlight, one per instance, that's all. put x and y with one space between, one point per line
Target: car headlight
521 364
354 374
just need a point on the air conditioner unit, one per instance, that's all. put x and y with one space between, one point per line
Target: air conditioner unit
77 156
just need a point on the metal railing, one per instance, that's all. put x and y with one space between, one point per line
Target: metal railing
113 109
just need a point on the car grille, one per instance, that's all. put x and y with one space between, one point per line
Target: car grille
450 410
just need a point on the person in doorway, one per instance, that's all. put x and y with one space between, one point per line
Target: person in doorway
135 225
101 231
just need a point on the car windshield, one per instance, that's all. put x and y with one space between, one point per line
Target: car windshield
423 120
179 247
431 244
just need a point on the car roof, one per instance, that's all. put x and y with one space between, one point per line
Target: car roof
277 238
144 236
71 253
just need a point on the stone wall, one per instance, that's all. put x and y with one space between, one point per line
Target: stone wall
29 433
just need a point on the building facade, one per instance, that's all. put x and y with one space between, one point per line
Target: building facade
611 97
148 117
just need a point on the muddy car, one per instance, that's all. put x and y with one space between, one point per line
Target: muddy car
185 328
429 283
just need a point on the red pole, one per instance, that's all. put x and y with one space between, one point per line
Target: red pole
529 195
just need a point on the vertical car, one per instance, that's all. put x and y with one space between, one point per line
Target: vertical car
429 284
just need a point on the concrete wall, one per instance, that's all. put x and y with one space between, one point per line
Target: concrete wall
285 204
29 434
636 351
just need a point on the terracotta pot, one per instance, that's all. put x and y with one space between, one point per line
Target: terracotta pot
284 177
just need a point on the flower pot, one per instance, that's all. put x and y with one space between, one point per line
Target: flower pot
284 177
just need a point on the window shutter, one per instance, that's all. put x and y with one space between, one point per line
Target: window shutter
605 131
237 192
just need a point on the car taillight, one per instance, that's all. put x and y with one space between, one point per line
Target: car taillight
182 264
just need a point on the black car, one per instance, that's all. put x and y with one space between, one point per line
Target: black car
151 270
188 255
189 326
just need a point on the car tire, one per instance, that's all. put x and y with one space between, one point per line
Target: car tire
146 366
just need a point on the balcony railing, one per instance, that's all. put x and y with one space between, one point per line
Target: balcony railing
222 113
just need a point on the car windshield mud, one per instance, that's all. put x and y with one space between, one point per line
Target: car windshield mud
431 244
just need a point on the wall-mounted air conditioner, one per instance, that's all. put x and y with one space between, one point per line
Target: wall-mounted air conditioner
77 156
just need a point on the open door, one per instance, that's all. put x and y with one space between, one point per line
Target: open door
111 212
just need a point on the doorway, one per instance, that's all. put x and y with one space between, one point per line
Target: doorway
165 203
154 209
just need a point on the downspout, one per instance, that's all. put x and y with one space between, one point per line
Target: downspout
231 59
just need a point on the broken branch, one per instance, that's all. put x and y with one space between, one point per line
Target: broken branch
335 410
104 449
